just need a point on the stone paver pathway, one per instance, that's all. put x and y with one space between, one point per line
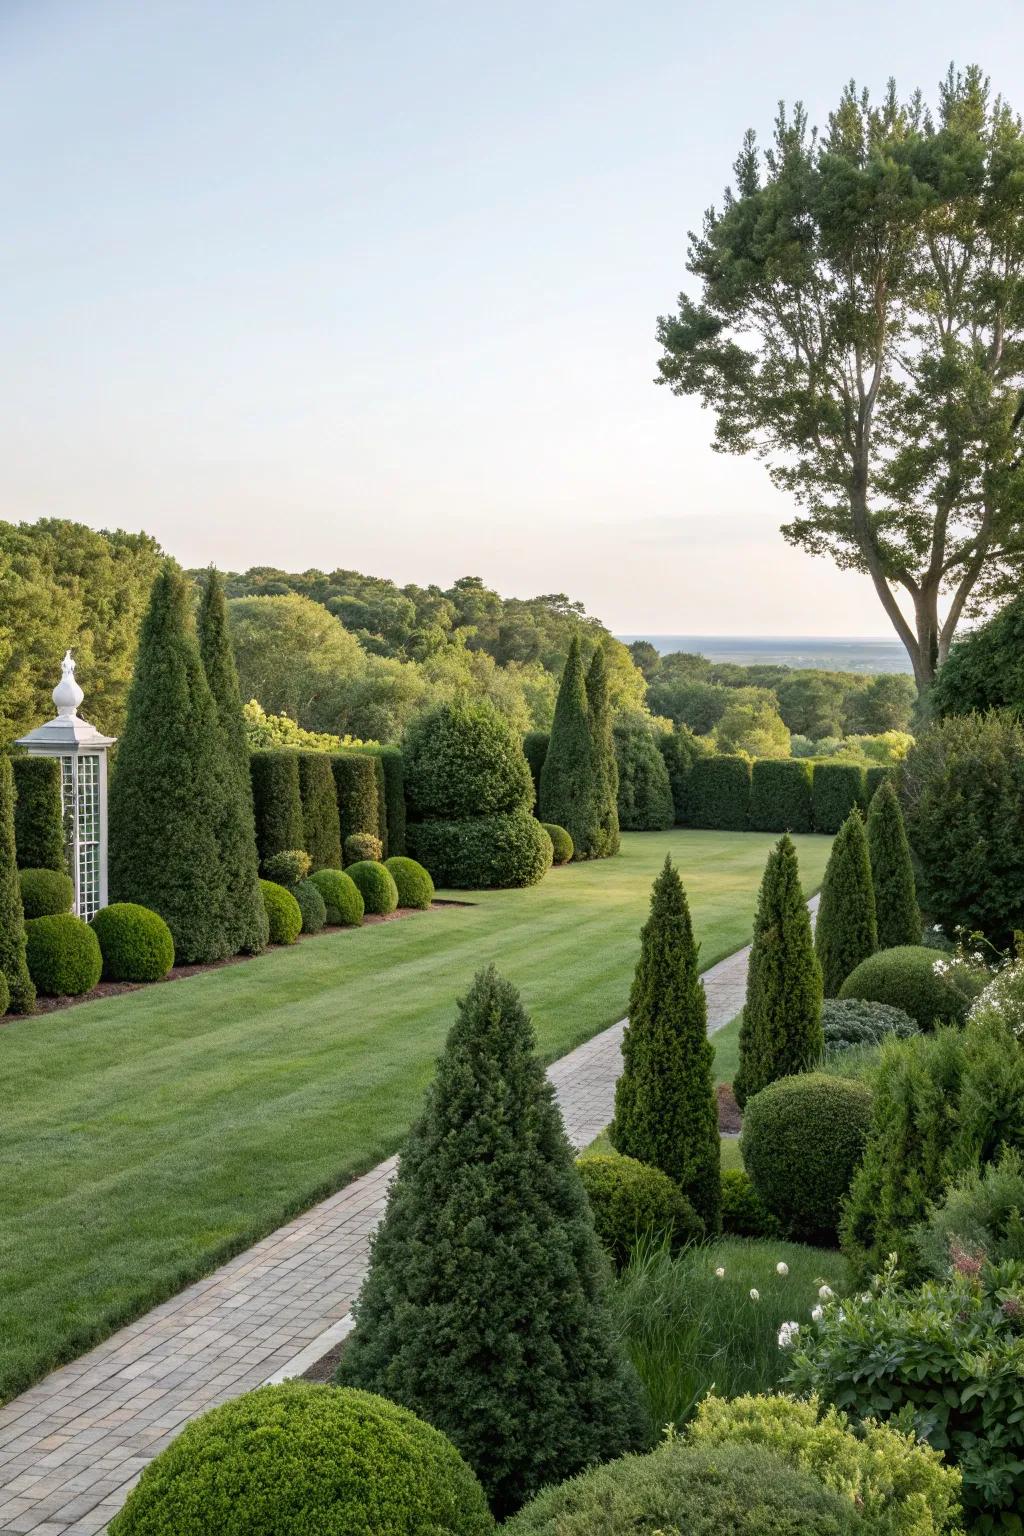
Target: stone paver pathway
72 1446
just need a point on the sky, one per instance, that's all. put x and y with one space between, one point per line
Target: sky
324 284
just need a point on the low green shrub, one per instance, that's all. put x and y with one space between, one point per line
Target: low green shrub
311 905
414 885
914 978
63 955
288 867
851 1021
303 1458
981 1214
283 913
485 852
561 843
802 1139
718 793
38 814
376 885
630 1200
360 846
45 892
744 1213
836 789
342 898
780 795
135 943
5 995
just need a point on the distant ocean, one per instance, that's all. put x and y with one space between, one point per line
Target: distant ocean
832 655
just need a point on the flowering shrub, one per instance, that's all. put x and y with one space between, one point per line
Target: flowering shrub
1004 996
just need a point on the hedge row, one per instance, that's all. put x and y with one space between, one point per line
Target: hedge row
38 813
774 794
315 800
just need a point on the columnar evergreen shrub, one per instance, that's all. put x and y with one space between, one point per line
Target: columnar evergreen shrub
363 845
355 783
780 1030
680 749
907 978
245 918
780 795
311 905
892 873
168 788
277 800
606 765
645 793
38 813
321 828
393 771
569 791
535 750
45 892
718 793
846 931
136 944
561 842
666 1113
876 775
413 883
342 898
5 995
837 789
63 955
22 994
485 1306
631 1200
284 915
376 886
484 852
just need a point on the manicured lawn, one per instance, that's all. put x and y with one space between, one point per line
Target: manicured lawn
148 1136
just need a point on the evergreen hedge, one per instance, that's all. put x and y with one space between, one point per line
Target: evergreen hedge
681 748
837 788
875 775
38 813
484 852
535 750
21 992
718 793
277 800
780 795
393 773
606 756
846 931
569 790
355 785
892 872
321 827
5 995
645 792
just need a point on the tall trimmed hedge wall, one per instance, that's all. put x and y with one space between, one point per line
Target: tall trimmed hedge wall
321 827
38 813
393 772
535 746
780 795
838 787
719 793
277 802
359 796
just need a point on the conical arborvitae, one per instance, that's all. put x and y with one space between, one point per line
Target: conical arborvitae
167 792
666 1112
568 779
12 917
846 931
245 914
780 1031
892 873
605 766
484 1308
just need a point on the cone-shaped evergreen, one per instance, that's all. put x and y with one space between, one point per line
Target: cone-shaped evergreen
666 1112
606 768
484 1309
12 916
846 931
167 792
892 873
780 1031
245 916
568 779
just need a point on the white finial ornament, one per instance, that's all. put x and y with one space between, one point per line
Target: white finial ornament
67 695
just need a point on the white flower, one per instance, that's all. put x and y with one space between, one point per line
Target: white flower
782 1269
866 1296
940 967
936 927
825 1293
755 1295
719 1274
817 1313
788 1334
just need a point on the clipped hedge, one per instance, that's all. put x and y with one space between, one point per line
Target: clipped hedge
277 802
284 914
837 788
464 760
644 798
561 842
342 898
312 906
38 813
875 775
355 783
414 885
393 774
45 892
63 955
136 944
630 1199
680 749
321 828
376 885
718 793
535 749
906 978
780 795
484 852
360 846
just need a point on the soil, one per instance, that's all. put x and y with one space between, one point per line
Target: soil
323 1369
729 1119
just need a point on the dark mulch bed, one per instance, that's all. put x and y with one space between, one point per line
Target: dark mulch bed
729 1118
323 1369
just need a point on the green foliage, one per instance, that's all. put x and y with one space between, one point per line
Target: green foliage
755 728
343 900
666 1113
463 760
850 1021
985 668
644 789
892 873
355 783
744 1213
907 977
45 892
5 995
321 828
886 704
136 944
413 883
167 795
299 1457
363 845
38 813
284 915
780 795
876 775
311 905
535 750
375 884
632 1200
718 793
277 800
296 658
484 1308
837 789
780 1030
485 852
681 748
393 776
264 732
981 1214
607 760
288 867
802 1140
846 932
569 787
63 955
561 842
21 992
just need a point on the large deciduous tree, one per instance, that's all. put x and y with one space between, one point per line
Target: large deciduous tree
861 327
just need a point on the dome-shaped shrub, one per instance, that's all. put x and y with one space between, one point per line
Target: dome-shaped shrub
849 1021
5 995
376 886
916 979
342 898
298 1458
464 760
45 892
630 1199
288 867
561 842
135 943
802 1139
283 913
311 905
360 846
486 852
744 1213
415 887
63 955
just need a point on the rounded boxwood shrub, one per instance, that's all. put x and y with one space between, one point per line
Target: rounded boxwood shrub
561 842
630 1198
485 852
298 1457
63 955
135 943
464 760
283 913
802 1139
848 1021
744 1213
360 846
5 995
312 906
342 898
906 977
415 887
376 885
45 892
288 867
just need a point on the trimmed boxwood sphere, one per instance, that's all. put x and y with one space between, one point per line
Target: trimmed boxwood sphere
906 977
802 1139
464 760
301 1458
415 887
135 943
45 892
283 913
342 897
376 886
363 845
63 955
312 906
630 1198
561 842
5 995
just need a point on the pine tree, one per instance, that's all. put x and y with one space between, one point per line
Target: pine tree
245 912
780 1031
892 873
568 779
666 1112
12 917
605 764
846 931
484 1309
167 792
